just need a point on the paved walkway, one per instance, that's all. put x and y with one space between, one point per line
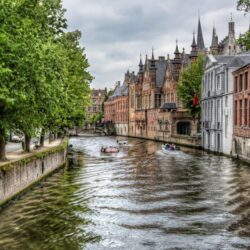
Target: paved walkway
20 154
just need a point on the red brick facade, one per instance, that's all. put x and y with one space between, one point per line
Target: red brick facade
242 102
116 110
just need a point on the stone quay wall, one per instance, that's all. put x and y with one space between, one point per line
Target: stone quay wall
17 176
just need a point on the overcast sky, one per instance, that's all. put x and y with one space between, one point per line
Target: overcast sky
115 32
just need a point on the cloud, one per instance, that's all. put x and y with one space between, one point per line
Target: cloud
116 32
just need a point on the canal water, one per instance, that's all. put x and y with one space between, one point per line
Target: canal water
139 198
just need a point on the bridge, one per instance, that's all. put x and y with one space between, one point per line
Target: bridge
93 131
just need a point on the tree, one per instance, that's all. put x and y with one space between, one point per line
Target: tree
244 40
43 71
243 5
38 68
189 86
76 90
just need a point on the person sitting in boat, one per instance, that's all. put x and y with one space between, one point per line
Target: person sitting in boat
172 147
166 146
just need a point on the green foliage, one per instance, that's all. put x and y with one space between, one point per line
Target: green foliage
243 5
190 85
97 117
43 70
244 40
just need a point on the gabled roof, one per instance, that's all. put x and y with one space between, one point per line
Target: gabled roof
246 65
223 59
239 61
233 61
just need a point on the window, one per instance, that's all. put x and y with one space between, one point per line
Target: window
246 80
218 82
157 100
236 84
240 120
218 111
218 142
172 97
241 78
235 113
245 112
226 125
249 114
226 101
183 128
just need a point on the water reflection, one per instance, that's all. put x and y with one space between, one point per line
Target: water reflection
139 198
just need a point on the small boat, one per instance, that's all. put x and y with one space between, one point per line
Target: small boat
122 142
109 149
169 148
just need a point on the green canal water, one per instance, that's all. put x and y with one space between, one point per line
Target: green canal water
139 198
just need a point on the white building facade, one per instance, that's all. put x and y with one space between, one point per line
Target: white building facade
217 102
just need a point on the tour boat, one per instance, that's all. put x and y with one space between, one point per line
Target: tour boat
109 149
122 142
170 150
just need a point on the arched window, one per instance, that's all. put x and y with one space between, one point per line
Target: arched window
183 128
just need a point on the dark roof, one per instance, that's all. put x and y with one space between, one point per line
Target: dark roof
186 60
239 61
120 91
200 40
169 105
161 66
246 65
223 59
214 39
235 61
244 53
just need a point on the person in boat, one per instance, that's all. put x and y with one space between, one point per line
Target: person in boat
166 146
172 147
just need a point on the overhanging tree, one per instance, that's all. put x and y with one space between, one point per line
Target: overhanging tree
243 5
244 39
44 79
189 86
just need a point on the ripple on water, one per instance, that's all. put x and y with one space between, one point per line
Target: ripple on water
139 198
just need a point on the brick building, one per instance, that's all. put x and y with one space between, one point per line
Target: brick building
98 96
154 108
241 130
116 108
153 100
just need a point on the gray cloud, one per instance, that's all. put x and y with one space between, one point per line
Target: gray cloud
116 32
